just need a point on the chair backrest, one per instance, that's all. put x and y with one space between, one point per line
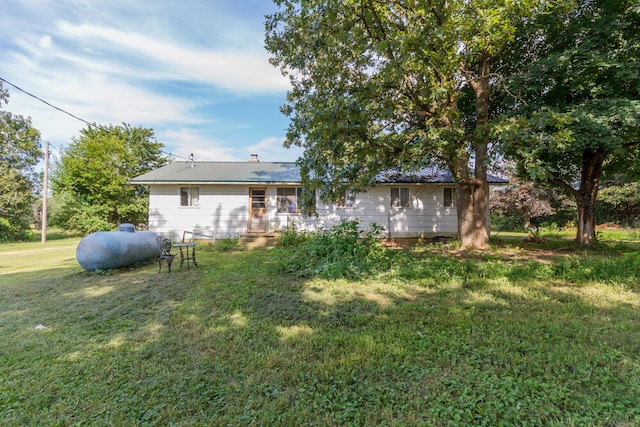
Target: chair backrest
164 245
195 234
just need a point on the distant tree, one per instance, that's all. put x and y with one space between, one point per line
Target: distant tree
527 204
20 151
574 92
619 202
90 181
394 84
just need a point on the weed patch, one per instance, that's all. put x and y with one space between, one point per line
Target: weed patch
342 251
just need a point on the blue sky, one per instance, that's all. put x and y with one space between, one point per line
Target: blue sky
195 71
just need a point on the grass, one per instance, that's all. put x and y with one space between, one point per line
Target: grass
522 334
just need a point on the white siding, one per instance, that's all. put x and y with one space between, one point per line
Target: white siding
425 216
222 208
225 210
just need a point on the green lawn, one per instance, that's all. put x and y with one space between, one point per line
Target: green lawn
523 334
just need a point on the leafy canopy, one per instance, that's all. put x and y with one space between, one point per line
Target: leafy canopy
577 90
20 152
379 85
91 179
576 114
376 84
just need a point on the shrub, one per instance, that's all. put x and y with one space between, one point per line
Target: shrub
342 251
291 237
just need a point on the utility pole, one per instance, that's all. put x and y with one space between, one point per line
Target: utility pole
45 190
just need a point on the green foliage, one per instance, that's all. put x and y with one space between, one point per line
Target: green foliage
20 151
572 97
627 235
91 179
620 203
391 85
225 245
523 205
291 237
342 251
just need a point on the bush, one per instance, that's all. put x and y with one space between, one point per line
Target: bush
291 237
13 231
342 251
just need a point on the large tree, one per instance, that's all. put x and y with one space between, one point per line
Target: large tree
574 95
20 152
394 84
91 179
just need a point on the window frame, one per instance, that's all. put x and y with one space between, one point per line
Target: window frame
397 202
190 196
346 199
298 197
449 201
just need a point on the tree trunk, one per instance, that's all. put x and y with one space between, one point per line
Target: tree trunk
586 220
474 198
464 208
480 200
472 204
526 217
587 194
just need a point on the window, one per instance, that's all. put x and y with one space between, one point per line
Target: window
449 197
346 199
289 199
189 196
399 197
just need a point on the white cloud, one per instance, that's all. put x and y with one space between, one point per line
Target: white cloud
45 41
183 142
232 69
271 150
157 65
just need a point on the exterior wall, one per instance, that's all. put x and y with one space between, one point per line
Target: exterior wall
224 209
425 216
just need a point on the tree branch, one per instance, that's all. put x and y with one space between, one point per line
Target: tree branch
564 187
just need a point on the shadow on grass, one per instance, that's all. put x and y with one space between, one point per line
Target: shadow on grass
437 347
440 341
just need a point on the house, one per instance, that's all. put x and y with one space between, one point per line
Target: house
233 198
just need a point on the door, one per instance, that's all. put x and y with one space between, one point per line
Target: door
257 210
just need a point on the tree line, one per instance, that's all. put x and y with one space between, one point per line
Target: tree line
89 181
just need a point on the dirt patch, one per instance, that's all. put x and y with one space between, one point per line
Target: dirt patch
407 242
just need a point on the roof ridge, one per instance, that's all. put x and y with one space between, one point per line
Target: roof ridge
229 161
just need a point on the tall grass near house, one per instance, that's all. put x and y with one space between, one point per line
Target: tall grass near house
344 250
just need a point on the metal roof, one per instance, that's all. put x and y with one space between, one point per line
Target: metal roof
222 172
275 173
426 175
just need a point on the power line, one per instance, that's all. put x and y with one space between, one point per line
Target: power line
68 113
50 105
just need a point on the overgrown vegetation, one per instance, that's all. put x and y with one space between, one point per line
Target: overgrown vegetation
521 334
619 202
341 251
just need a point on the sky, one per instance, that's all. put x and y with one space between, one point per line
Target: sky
194 71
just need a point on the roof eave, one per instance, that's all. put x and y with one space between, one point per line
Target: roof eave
217 182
